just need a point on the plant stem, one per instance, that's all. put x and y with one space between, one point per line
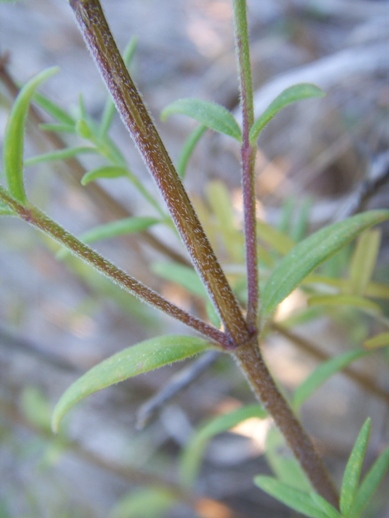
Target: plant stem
248 153
250 361
39 220
137 120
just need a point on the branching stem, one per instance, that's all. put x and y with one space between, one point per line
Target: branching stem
39 220
137 120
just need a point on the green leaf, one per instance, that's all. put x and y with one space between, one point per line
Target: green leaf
110 108
153 502
104 172
325 506
188 148
364 260
57 127
310 253
193 452
118 228
276 239
212 115
182 275
322 374
14 135
380 340
283 464
290 95
293 498
83 129
370 484
140 358
353 469
54 110
60 154
345 300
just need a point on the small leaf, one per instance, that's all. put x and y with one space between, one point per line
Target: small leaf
322 374
104 172
288 96
310 253
193 452
212 115
353 469
14 135
110 108
293 498
140 358
83 129
182 275
188 148
370 484
325 506
56 127
118 228
152 502
54 110
381 340
61 154
364 260
345 300
276 239
283 464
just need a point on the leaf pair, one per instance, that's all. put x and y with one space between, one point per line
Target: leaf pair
354 497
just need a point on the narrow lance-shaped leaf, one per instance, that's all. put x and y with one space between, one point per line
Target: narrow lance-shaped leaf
54 110
140 358
364 260
60 154
110 171
322 374
212 115
345 300
188 148
290 95
118 228
310 253
192 455
370 484
353 469
293 498
380 340
14 135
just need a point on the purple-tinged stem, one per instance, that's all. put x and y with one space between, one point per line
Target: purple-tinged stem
248 154
39 220
136 118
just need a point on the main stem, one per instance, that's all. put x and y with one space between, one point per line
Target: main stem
137 120
248 153
250 360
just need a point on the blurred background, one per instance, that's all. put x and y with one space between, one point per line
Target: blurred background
328 157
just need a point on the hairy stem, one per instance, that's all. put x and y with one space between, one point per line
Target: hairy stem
137 120
39 220
248 153
251 363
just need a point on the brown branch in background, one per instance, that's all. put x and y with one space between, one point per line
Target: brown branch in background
308 347
105 201
176 384
205 507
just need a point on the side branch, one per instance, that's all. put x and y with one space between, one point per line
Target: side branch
137 120
39 220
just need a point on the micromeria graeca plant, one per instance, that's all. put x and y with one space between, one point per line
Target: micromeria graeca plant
242 329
